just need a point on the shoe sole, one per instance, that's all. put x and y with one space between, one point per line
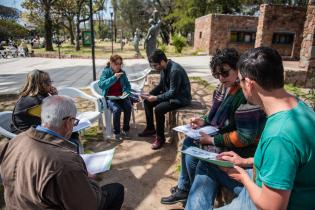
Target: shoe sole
170 203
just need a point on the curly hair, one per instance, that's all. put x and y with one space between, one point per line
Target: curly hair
225 56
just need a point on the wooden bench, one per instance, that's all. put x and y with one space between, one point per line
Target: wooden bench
195 108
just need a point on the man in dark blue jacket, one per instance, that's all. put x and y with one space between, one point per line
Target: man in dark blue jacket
172 92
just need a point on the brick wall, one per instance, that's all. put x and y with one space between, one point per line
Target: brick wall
216 30
222 25
281 19
202 33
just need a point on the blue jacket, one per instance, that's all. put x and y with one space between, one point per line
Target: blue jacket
108 79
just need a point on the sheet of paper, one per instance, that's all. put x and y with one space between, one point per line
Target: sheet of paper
210 157
83 123
195 133
98 162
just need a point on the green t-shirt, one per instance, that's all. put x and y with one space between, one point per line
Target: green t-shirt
285 156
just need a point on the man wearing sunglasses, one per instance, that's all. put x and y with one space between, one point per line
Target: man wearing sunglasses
41 169
172 92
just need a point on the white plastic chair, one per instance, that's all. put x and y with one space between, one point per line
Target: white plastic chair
137 80
5 120
92 116
21 52
97 92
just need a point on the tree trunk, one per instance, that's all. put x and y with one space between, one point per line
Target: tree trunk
48 29
71 31
77 38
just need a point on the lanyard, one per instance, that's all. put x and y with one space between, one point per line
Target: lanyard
53 133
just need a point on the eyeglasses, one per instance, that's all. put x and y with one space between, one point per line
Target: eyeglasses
118 63
75 122
224 73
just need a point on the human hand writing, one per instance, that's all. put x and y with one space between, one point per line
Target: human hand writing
196 122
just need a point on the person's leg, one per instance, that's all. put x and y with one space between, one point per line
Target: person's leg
188 166
187 173
114 196
116 109
148 108
205 186
127 107
242 201
159 112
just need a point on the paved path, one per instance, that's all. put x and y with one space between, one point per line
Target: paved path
78 72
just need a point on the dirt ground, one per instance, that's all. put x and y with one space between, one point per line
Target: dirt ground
146 174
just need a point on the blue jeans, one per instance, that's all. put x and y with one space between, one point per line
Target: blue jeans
205 186
117 106
188 167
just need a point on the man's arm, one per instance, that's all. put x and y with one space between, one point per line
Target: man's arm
175 83
265 197
157 89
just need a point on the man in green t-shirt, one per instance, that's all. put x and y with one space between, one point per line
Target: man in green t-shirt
284 162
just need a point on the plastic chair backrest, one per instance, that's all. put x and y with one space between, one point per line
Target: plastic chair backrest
96 90
5 121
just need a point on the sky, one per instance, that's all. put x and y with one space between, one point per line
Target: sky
12 3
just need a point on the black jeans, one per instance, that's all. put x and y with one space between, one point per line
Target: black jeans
161 108
114 196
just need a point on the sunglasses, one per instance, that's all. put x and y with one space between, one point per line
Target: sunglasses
75 122
224 73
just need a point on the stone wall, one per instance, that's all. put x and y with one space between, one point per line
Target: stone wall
215 31
281 19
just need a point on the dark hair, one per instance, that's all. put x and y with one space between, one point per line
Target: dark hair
227 56
263 65
113 58
157 56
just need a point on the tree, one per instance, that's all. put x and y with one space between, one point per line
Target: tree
66 9
43 8
9 28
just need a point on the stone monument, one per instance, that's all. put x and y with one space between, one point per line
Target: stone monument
153 31
136 40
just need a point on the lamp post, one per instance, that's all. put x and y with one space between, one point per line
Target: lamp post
111 29
92 39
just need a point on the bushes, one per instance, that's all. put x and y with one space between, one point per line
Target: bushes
11 29
179 42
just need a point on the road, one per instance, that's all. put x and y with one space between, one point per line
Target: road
78 72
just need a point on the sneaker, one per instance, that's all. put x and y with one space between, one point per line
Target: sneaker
125 134
178 196
158 143
118 137
147 133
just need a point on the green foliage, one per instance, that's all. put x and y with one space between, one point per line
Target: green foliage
11 29
179 42
163 47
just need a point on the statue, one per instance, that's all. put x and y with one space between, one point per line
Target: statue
136 40
150 39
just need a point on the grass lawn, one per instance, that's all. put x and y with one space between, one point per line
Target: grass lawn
103 49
